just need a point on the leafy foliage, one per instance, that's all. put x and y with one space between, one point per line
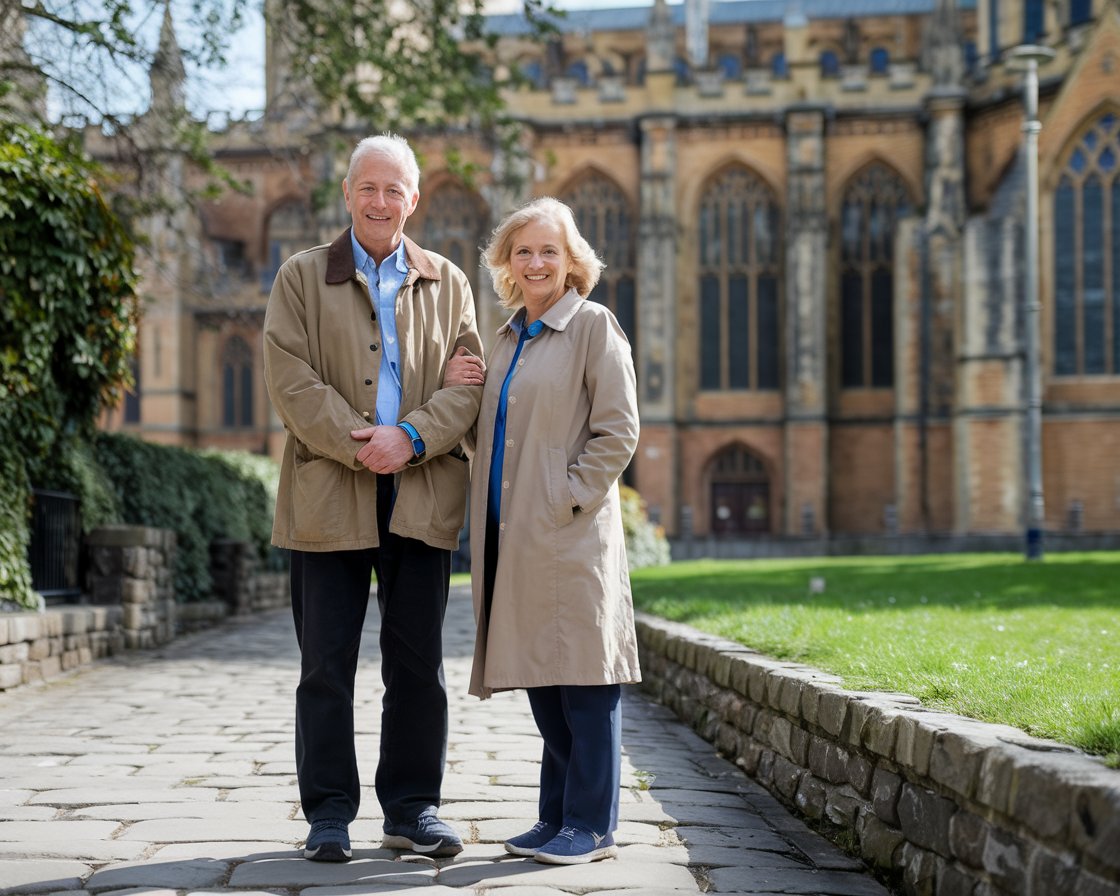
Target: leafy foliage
645 543
15 574
201 497
67 312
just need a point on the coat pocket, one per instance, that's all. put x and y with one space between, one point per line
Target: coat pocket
447 486
317 500
559 495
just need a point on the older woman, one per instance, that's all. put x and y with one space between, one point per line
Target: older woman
558 425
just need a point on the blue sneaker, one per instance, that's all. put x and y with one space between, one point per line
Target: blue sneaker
573 846
328 841
427 835
531 841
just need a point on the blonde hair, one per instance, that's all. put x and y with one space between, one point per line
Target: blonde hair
585 264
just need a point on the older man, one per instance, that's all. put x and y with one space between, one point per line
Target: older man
356 340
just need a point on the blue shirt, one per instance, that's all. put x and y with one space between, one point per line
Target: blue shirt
385 281
498 453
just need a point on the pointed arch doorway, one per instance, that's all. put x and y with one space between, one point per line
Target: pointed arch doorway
740 493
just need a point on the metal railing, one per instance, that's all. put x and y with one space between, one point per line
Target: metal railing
56 543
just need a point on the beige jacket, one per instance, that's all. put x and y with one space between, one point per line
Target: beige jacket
561 610
322 356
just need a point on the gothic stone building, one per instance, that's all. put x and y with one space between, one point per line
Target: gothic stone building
813 218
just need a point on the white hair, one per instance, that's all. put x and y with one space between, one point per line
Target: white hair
393 146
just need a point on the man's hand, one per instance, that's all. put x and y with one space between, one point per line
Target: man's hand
464 369
387 449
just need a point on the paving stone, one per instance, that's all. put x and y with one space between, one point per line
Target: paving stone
81 850
611 873
21 876
184 763
176 875
803 883
298 872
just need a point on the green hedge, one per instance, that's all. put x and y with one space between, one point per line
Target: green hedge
201 496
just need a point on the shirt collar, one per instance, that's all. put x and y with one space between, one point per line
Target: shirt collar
555 318
517 324
364 262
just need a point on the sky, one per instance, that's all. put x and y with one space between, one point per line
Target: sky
238 90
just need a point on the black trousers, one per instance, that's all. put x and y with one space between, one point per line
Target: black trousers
581 764
330 592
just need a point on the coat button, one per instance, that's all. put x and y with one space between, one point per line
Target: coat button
502 526
365 414
505 484
513 399
373 347
369 382
509 443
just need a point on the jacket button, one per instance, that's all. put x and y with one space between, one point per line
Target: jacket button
369 382
513 399
509 443
505 484
373 347
365 414
502 526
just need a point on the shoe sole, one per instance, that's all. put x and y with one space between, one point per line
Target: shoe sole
606 852
435 850
328 852
529 851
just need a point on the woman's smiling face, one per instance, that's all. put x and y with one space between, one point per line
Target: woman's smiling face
540 264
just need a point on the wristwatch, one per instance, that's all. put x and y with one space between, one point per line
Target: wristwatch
417 443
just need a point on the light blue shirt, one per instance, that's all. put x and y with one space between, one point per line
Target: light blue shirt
385 281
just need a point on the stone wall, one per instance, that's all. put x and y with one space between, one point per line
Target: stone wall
943 805
129 603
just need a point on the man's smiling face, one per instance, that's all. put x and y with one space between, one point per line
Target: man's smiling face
379 199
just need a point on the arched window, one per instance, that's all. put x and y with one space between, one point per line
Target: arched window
237 384
880 61
830 64
778 66
132 396
1087 255
455 224
740 262
873 202
731 66
290 229
579 73
740 493
603 217
1080 11
1034 18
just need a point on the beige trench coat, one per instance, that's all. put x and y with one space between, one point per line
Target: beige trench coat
321 359
561 611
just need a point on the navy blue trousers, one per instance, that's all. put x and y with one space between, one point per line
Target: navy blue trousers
581 765
330 593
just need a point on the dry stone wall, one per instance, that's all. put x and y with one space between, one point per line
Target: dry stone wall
130 604
944 805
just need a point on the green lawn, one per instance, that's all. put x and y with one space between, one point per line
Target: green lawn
990 636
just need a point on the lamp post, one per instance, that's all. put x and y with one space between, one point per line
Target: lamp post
1027 59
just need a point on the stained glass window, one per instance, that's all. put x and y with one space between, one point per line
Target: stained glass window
740 300
873 203
1087 255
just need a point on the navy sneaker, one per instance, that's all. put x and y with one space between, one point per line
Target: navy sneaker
328 841
531 841
573 846
427 835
